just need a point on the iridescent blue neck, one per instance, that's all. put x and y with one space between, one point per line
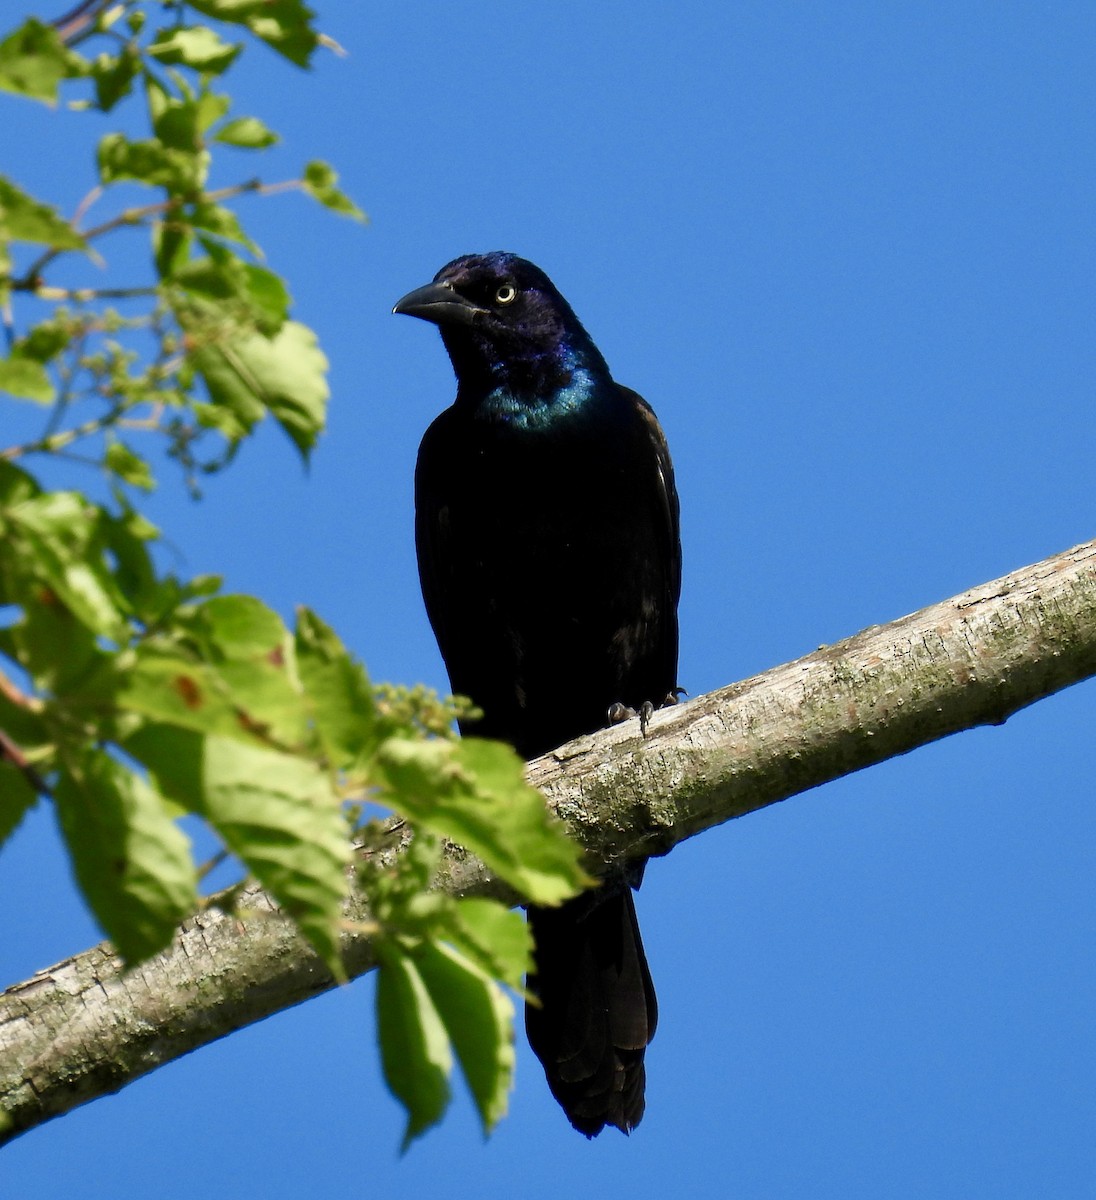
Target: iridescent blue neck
531 391
525 411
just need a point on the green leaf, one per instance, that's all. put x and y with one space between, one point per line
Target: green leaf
235 678
56 649
224 285
127 535
340 699
284 374
223 223
494 936
180 123
211 278
113 76
171 243
180 171
285 25
174 760
279 815
132 863
194 46
16 485
203 585
415 1052
24 219
249 647
479 1019
248 132
44 341
23 377
474 793
17 798
319 182
169 687
211 108
34 60
231 424
129 466
266 295
57 542
241 627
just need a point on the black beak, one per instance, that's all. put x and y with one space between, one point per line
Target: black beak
439 303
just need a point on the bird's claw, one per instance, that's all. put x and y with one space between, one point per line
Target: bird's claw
621 712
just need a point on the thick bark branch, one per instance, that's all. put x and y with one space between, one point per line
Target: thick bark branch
82 1028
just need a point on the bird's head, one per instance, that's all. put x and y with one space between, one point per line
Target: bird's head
503 323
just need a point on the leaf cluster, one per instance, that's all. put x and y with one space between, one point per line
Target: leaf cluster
131 698
202 348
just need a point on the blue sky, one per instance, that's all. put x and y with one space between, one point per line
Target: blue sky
848 253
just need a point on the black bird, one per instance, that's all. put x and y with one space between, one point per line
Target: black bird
546 523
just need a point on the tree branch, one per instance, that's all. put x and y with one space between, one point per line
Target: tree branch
82 1028
31 279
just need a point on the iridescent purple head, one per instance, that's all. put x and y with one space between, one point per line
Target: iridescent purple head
504 324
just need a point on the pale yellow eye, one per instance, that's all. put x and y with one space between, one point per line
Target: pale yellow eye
506 294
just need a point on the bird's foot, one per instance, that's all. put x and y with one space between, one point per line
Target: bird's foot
621 712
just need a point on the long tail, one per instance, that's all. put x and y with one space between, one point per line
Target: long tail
597 1008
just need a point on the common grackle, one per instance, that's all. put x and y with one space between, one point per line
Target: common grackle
546 523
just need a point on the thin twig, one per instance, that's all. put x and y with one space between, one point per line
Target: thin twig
30 282
17 696
143 424
86 203
58 441
83 21
8 319
77 18
67 369
212 863
82 295
360 928
10 752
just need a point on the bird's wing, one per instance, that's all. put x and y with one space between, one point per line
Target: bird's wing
433 487
460 585
667 491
